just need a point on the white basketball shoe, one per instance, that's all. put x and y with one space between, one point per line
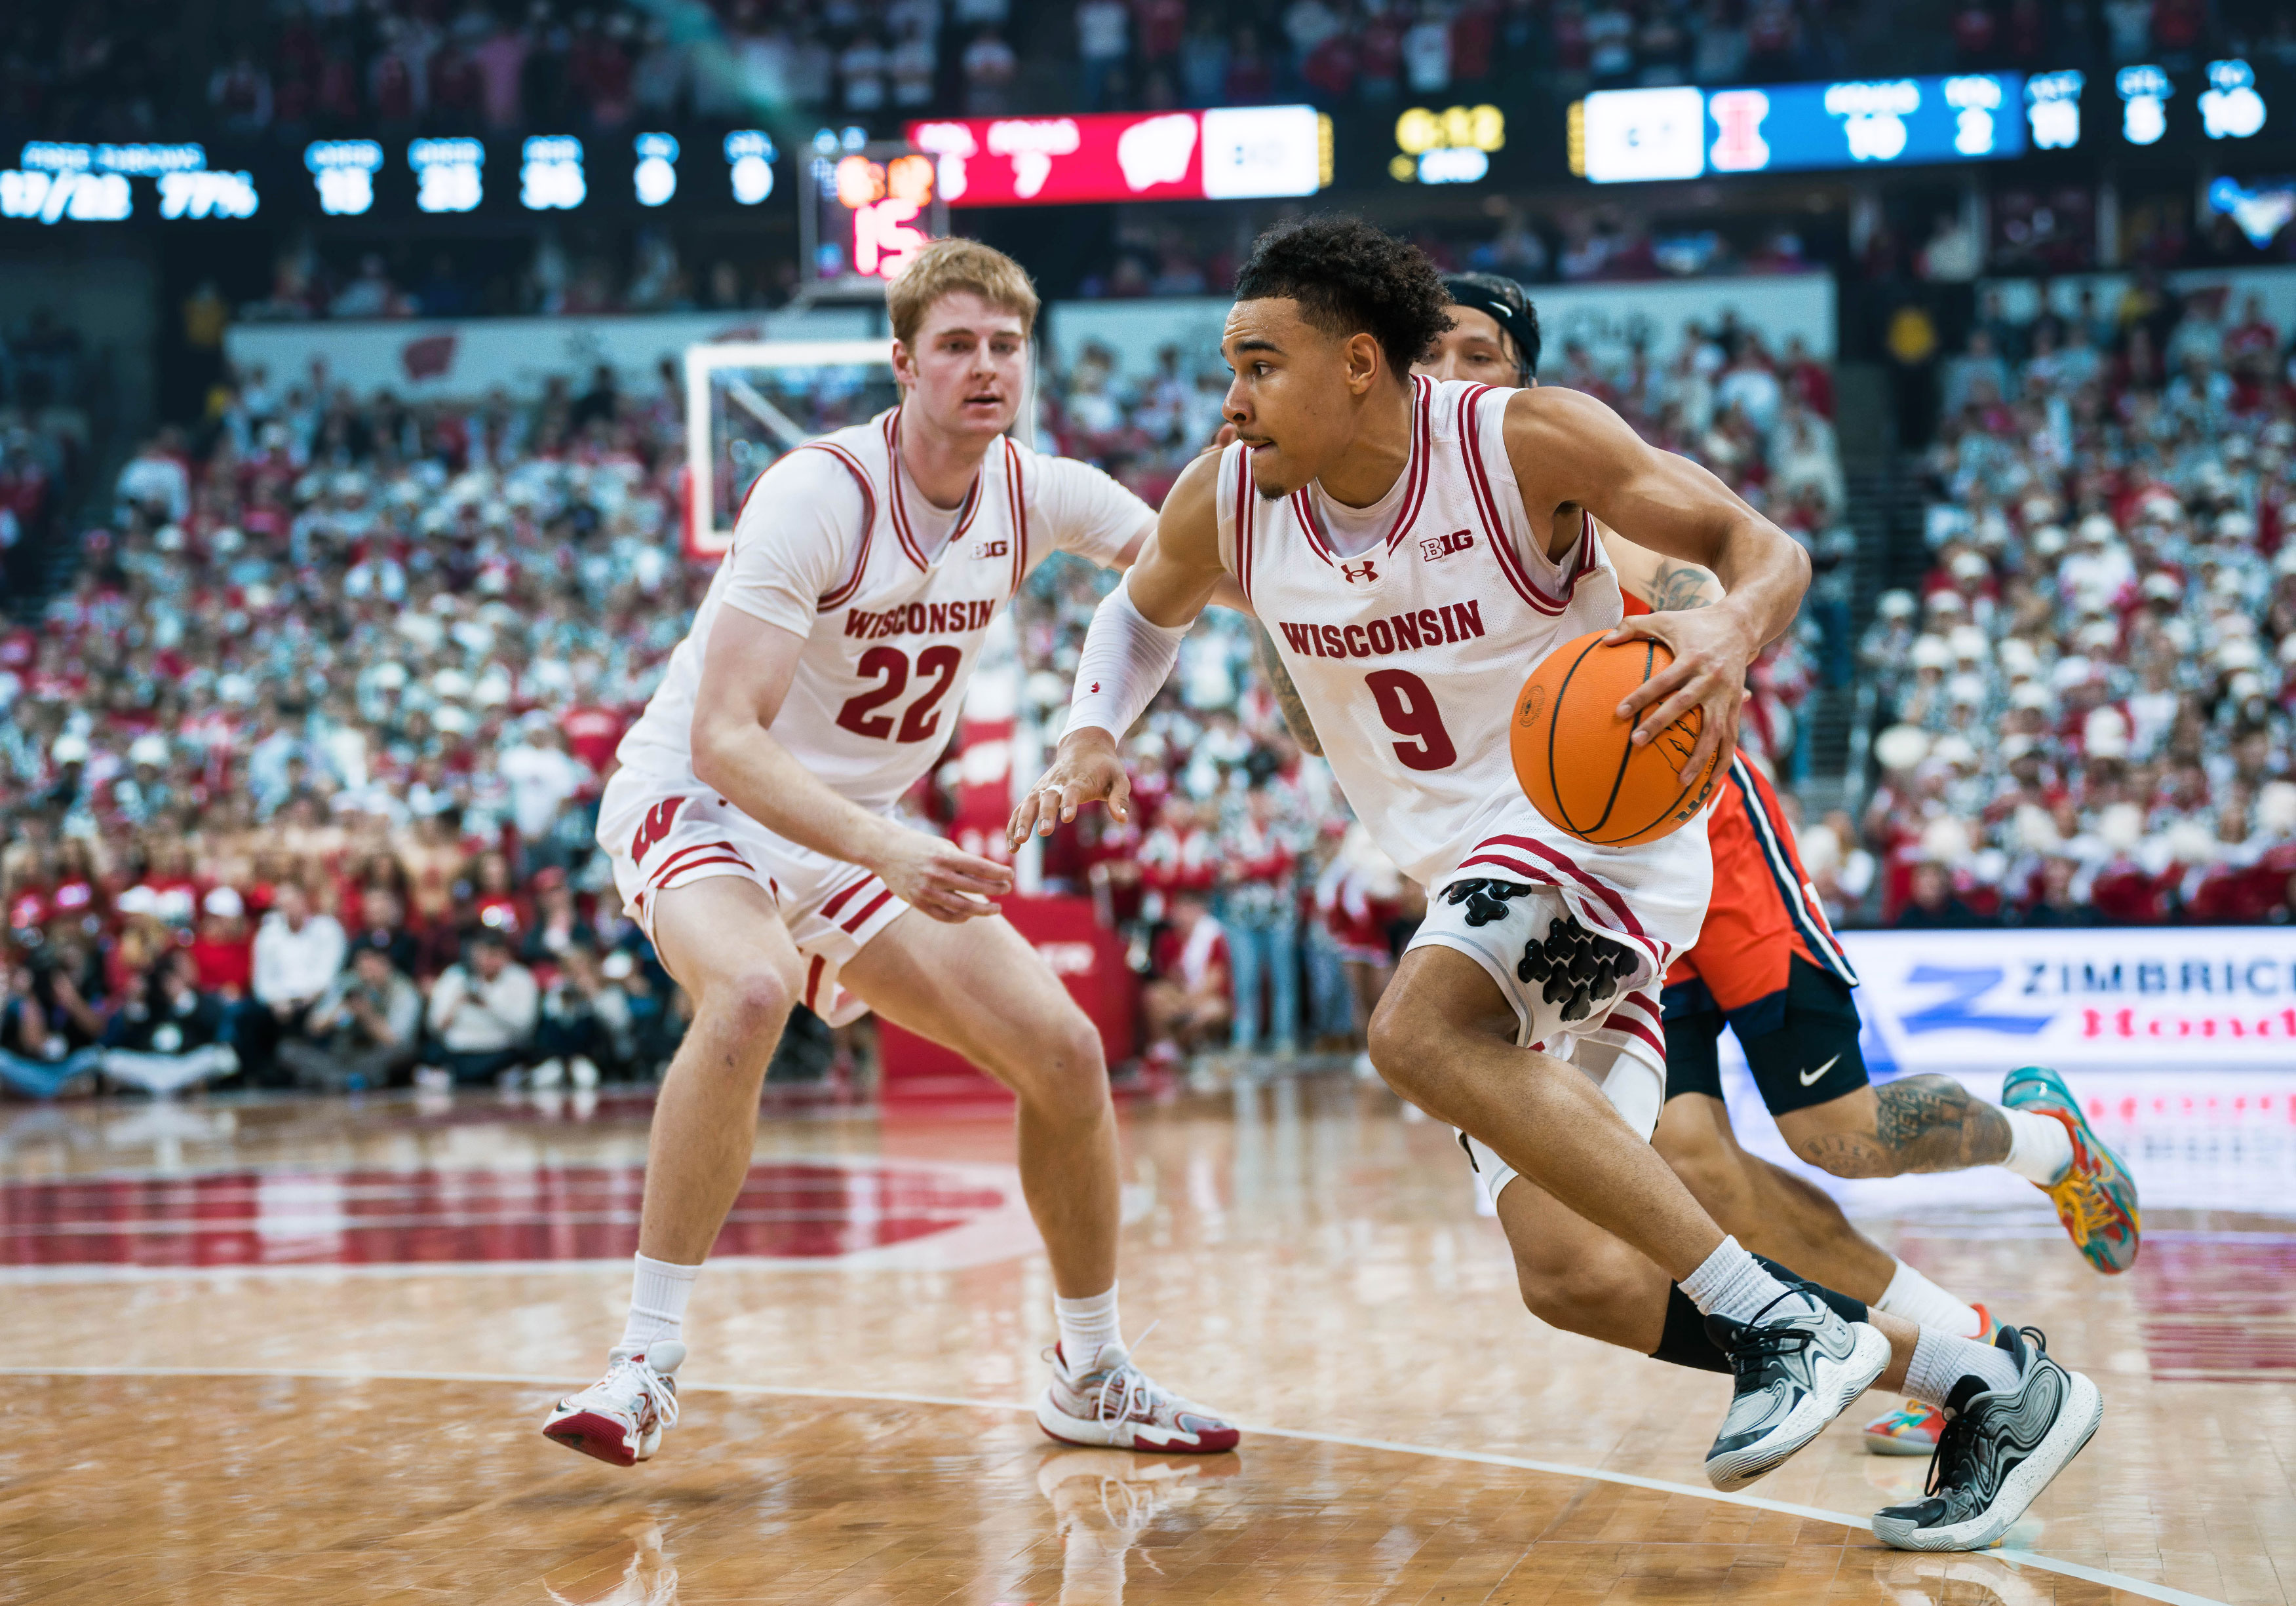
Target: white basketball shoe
620 1418
1111 1403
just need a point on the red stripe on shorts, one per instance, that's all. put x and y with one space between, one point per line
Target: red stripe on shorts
869 908
829 910
677 861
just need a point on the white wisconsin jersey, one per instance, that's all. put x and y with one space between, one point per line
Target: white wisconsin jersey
1409 657
892 630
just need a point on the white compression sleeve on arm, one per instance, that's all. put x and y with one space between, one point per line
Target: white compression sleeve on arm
1125 663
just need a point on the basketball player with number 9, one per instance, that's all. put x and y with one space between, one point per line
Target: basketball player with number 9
1398 539
750 832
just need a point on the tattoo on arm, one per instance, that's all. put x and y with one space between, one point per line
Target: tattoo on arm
1287 695
1675 586
1927 1122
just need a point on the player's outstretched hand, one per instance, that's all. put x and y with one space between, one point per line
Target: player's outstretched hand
1711 651
1085 769
942 879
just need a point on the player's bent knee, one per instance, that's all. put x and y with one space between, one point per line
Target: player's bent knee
1062 1073
1403 1040
755 999
1578 1294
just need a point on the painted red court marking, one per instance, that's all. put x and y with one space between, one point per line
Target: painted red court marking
2218 1312
797 1209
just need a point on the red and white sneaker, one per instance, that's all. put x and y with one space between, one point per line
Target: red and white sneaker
620 1418
1112 1405
1913 1429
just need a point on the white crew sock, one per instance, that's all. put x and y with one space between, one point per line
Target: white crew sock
1940 1360
1732 1283
1925 1304
1086 1324
2040 1149
657 1294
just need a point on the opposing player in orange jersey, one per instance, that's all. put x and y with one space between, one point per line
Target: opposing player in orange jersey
1767 964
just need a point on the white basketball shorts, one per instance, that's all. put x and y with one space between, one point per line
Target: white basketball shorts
661 837
1620 1045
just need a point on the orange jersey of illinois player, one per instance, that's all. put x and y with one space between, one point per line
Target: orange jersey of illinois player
1764 910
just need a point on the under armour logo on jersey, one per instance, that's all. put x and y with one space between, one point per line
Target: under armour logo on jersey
1443 546
993 549
1095 686
1359 574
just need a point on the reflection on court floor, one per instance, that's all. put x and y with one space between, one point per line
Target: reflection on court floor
298 1351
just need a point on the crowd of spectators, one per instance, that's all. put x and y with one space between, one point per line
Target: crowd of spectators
125 68
43 435
298 780
2085 709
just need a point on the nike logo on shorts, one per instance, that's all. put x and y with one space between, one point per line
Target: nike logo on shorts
1809 1078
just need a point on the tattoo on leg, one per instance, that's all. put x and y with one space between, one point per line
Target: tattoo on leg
1927 1122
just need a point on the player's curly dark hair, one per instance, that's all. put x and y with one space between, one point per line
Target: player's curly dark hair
1350 278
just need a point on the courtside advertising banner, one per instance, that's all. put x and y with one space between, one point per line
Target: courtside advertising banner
2150 998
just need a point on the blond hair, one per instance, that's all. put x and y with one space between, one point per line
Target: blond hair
948 265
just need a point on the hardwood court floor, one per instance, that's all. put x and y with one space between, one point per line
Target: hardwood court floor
299 1352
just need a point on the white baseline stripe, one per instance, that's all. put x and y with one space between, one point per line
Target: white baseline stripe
2022 1557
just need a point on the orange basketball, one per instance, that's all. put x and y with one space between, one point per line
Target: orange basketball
1571 753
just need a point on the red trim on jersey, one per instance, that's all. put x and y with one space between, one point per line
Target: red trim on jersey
1423 452
1016 494
1562 862
813 985
1245 496
843 593
1509 560
1479 483
719 858
1642 1003
1414 485
861 914
679 860
829 910
1635 1028
898 507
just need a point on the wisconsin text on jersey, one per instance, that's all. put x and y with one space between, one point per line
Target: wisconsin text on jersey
923 618
1396 632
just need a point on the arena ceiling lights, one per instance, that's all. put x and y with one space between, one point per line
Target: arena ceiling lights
1225 153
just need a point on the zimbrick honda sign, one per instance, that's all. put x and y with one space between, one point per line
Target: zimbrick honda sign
2134 997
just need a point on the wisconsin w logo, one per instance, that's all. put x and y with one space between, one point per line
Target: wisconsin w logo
1359 574
654 828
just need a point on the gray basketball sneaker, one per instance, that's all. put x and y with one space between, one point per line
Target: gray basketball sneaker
1998 1450
1798 1364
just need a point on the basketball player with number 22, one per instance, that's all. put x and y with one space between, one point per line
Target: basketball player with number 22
750 831
1399 539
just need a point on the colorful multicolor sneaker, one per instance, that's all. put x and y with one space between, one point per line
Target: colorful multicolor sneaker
619 1419
2097 1197
1111 1403
1913 1427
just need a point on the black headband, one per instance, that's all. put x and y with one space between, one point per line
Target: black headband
1508 308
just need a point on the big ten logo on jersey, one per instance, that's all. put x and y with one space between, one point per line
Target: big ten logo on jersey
654 828
1443 546
992 549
